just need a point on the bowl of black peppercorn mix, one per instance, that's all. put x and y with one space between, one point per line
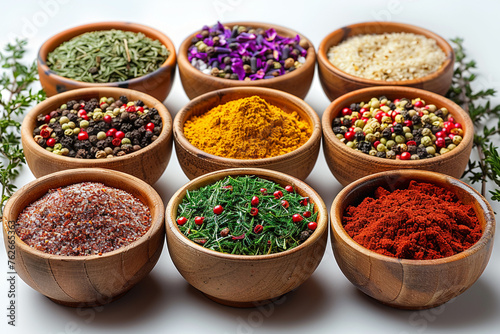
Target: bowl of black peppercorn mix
113 128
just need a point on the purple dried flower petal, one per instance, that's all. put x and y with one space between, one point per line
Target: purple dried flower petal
270 34
237 68
245 37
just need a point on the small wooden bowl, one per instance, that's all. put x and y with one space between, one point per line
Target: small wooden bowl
348 165
157 83
298 82
336 82
245 280
403 283
148 164
195 162
84 281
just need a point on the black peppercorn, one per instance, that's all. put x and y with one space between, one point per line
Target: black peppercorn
124 99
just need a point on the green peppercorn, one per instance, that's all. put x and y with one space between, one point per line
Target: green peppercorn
116 112
445 111
64 107
426 132
52 121
97 110
65 126
370 137
451 146
111 100
444 150
399 139
399 118
338 135
71 125
103 100
457 140
63 120
57 146
374 103
126 141
110 156
48 148
55 151
373 152
426 141
408 136
430 150
108 150
412 112
381 148
385 108
432 108
359 124
390 144
350 144
64 151
414 157
84 124
97 116
101 135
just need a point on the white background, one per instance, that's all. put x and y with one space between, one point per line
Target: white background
327 302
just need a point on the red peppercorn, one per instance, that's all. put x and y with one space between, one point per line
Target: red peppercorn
451 119
150 126
362 110
254 201
51 142
199 220
107 118
312 226
396 101
376 143
238 237
111 132
379 115
258 228
405 156
285 204
116 142
85 117
81 112
230 188
181 220
278 194
457 126
263 191
82 135
45 133
419 104
254 211
119 134
141 109
47 118
307 214
440 142
408 123
411 143
131 109
349 135
297 218
346 111
218 209
440 134
304 201
289 189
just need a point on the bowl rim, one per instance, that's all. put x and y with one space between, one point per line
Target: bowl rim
442 44
42 108
156 222
259 172
430 177
107 25
180 118
453 108
191 71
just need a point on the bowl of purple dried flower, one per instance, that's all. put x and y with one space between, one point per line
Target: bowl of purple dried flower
241 54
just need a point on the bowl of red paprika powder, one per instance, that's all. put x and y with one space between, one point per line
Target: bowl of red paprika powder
411 239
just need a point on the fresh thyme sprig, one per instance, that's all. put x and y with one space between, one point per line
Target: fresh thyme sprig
16 95
477 104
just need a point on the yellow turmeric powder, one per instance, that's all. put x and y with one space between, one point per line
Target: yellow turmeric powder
247 128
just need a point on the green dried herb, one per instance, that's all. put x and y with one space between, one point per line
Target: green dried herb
15 84
477 104
107 56
236 230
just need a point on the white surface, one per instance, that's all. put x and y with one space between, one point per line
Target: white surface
327 302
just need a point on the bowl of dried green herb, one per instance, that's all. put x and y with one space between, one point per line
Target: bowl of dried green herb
245 236
108 54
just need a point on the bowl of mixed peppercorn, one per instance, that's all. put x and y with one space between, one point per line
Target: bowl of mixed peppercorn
386 128
241 54
245 236
112 128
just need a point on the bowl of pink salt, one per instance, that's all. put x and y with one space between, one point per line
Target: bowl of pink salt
411 239
84 237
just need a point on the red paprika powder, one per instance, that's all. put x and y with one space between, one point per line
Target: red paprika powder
421 222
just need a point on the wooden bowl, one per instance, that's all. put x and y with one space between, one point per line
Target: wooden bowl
348 165
403 283
156 84
298 82
195 162
82 281
336 82
245 280
148 164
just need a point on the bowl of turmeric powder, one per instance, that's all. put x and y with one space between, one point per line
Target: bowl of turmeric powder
411 239
249 127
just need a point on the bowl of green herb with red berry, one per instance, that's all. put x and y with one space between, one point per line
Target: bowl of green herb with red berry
246 236
108 54
113 128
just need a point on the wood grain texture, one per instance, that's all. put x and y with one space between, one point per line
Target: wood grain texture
148 164
82 281
240 280
298 82
156 84
298 163
348 165
410 284
336 82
